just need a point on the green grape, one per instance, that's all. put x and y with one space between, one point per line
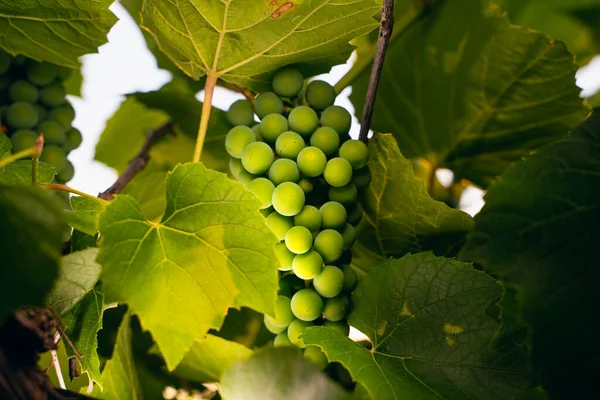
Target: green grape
330 282
284 170
41 73
320 95
64 73
295 330
303 120
306 185
272 126
21 116
308 265
338 172
350 278
257 133
283 312
344 194
55 156
23 91
246 177
42 112
282 340
298 240
361 178
338 118
5 61
237 139
356 152
311 161
335 309
309 217
54 133
329 244
285 257
235 167
53 95
288 82
257 157
267 103
274 329
67 172
263 189
355 213
340 326
316 356
240 113
288 199
349 235
265 212
63 115
290 284
279 224
289 144
74 139
23 139
307 305
333 215
326 139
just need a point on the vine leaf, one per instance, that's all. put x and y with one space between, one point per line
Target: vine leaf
84 214
58 31
19 172
242 41
538 232
467 91
426 317
399 215
211 251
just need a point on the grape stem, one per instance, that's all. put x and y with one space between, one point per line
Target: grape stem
64 188
239 89
30 152
35 160
209 89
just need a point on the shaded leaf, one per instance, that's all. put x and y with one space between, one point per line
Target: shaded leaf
74 82
84 214
82 241
19 172
5 145
148 188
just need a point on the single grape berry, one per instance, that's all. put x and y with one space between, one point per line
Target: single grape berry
274 329
349 235
344 194
23 91
279 224
267 103
246 177
283 312
64 73
303 120
5 61
298 240
307 305
356 152
53 95
338 172
306 185
272 126
282 340
74 139
21 116
284 170
316 356
23 139
235 167
55 156
42 112
295 330
285 257
335 309
329 244
326 139
63 115
288 82
41 74
54 133
320 94
338 118
355 213
309 217
350 278
67 173
241 113
257 157
237 139
330 282
289 144
340 326
333 215
308 265
311 161
263 190
361 178
288 199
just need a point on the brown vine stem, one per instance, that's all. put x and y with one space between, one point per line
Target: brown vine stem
239 89
209 89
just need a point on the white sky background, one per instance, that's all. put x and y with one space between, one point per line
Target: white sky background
125 65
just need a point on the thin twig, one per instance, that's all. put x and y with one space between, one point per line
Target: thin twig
35 161
65 188
138 164
385 32
63 335
61 380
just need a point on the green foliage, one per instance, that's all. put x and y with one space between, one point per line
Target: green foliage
84 214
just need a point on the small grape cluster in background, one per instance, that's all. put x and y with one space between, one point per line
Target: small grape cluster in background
33 101
302 165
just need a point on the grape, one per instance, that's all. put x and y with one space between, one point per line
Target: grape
284 256
316 356
288 82
329 244
237 139
23 91
41 74
67 173
361 178
320 94
263 189
333 215
257 157
326 139
295 330
356 152
63 115
289 144
340 326
54 155
303 120
279 224
42 112
271 327
235 167
272 126
308 265
311 161
268 103
284 170
335 309
5 61
64 73
306 185
338 172
344 194
283 312
257 133
355 213
307 305
53 95
282 340
290 284
23 139
21 116
309 217
350 278
349 235
74 139
246 177
240 113
298 240
288 199
54 133
330 282
338 118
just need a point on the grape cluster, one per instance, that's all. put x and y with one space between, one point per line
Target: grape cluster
33 101
301 164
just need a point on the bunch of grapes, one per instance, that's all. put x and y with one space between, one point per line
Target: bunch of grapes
301 164
33 101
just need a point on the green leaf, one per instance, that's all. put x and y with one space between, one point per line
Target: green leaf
538 232
426 317
5 145
278 373
148 188
81 241
399 215
58 31
19 172
32 235
84 214
211 251
241 41
467 91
